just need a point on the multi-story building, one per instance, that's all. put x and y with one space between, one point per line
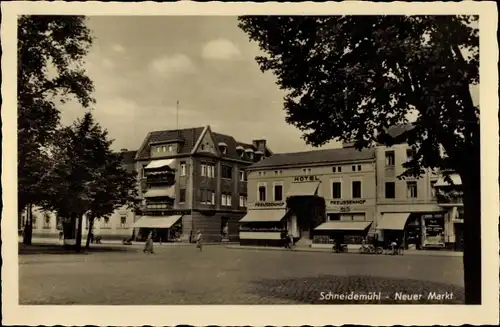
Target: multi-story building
117 226
408 209
307 193
193 179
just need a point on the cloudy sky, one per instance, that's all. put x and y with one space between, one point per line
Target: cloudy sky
142 65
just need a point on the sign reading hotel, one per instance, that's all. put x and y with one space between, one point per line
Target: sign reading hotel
269 204
346 202
305 179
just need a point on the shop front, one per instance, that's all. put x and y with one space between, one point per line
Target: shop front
433 230
393 225
340 231
265 227
164 228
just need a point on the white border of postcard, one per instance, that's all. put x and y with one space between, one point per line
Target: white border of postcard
487 313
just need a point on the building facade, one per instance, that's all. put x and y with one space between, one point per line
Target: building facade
193 179
117 226
338 185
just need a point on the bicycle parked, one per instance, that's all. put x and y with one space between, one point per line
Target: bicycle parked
339 248
370 249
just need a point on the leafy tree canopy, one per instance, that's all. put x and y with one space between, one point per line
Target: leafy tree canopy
51 50
352 77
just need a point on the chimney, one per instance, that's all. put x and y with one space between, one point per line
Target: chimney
260 145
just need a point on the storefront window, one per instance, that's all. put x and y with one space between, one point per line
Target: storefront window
434 230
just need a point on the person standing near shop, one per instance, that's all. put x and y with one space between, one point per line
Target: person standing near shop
148 246
199 240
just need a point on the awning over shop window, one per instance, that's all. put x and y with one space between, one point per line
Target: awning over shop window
161 192
442 181
393 221
303 189
254 216
160 163
344 226
157 221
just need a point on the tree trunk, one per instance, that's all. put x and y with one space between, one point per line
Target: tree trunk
78 244
28 226
90 233
471 183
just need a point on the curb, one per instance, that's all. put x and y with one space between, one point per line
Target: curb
410 253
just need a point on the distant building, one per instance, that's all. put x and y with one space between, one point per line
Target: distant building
193 179
307 193
118 226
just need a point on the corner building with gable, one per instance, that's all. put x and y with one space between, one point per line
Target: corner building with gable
193 179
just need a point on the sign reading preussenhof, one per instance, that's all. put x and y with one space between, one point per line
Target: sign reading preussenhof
346 202
269 204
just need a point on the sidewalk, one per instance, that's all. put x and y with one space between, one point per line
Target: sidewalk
307 249
56 241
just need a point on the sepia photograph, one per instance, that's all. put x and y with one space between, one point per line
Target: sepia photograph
255 158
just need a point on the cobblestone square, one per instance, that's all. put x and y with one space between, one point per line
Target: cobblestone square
218 275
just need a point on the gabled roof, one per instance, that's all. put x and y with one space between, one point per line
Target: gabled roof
188 138
328 156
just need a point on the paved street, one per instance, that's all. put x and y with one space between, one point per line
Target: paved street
182 275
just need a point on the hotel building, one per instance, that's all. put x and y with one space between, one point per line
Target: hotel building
308 193
319 196
193 179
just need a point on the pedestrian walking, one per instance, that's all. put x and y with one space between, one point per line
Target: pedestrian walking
148 247
199 240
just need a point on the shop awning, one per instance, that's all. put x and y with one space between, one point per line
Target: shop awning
454 177
344 225
303 189
160 163
254 216
157 221
160 192
393 221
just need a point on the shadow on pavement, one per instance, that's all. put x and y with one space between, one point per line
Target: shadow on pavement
309 290
61 249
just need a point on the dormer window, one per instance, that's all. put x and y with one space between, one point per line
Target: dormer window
249 153
240 150
223 147
259 155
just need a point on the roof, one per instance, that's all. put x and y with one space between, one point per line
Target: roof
315 157
189 137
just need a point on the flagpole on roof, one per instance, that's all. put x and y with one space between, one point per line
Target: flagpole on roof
177 115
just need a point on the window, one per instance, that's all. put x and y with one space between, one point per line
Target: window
213 198
226 200
411 189
389 158
334 169
433 189
390 190
339 169
123 221
182 195
353 168
203 170
359 167
207 197
336 190
210 170
304 171
183 168
333 216
143 171
105 222
227 172
356 189
262 193
278 192
409 154
242 176
158 149
202 147
46 221
163 149
170 148
276 173
243 201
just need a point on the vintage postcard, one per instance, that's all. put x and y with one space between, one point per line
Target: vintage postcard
250 164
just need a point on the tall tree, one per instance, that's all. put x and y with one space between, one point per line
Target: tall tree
51 50
351 77
89 179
